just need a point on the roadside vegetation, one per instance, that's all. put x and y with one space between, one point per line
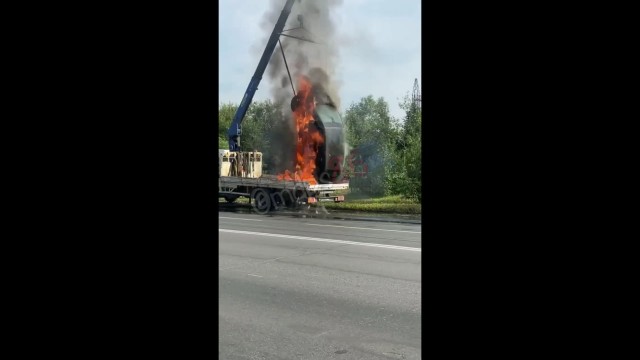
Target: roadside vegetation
388 204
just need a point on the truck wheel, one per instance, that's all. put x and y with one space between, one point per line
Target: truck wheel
289 199
231 198
261 201
278 201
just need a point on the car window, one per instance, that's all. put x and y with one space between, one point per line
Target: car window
329 115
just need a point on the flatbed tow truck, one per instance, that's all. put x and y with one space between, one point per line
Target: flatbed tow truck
267 192
240 172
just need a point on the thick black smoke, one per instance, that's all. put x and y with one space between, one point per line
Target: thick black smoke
317 60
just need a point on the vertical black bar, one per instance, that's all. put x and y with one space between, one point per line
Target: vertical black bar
287 66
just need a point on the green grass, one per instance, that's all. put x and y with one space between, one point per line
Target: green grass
387 204
240 200
366 199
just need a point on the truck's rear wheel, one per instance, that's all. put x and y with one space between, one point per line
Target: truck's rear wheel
290 200
261 201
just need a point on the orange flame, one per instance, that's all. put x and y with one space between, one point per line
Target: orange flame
309 138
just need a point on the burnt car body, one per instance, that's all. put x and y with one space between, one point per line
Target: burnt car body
331 156
332 152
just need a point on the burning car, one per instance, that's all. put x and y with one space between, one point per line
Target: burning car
320 145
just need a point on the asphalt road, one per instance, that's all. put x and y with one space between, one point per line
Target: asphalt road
294 288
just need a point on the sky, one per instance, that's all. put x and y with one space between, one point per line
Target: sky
380 56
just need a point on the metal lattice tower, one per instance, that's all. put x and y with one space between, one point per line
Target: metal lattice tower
416 98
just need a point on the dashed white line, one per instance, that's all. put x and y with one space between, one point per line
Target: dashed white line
361 228
322 240
254 275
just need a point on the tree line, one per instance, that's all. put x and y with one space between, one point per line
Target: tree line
388 148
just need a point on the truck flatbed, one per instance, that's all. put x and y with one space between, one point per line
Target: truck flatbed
271 181
267 192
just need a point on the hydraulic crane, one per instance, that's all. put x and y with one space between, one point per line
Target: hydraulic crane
331 153
235 130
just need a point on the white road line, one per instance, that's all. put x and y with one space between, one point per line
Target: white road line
322 240
352 227
235 218
254 275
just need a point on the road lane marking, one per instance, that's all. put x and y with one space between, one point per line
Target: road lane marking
235 218
322 333
254 275
322 240
352 227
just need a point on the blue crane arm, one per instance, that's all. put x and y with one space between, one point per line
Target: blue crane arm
235 130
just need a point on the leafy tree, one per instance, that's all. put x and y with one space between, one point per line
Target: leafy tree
223 143
409 148
368 121
225 116
262 129
372 132
413 119
259 117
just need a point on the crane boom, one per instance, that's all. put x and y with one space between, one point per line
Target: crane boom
235 130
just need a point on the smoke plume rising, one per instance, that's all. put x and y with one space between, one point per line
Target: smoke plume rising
317 60
303 56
